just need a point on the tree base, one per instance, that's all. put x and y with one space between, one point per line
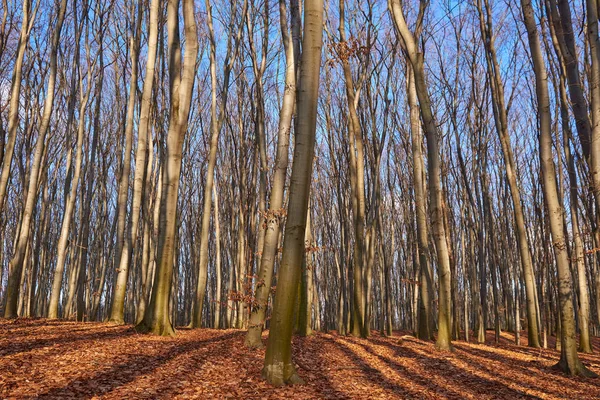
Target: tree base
116 321
281 374
444 346
253 344
587 349
159 329
578 370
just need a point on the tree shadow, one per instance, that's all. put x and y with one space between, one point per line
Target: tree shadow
373 375
323 382
523 367
478 385
71 337
57 330
136 365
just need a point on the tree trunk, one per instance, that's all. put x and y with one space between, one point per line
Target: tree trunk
12 294
13 111
118 301
569 360
216 122
275 214
181 82
70 202
444 338
425 314
279 368
501 119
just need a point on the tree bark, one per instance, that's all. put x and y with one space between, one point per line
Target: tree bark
181 83
216 122
117 310
501 119
444 338
12 294
279 368
424 315
569 361
275 214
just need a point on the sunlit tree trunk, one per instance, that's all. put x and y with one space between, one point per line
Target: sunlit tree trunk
12 294
569 360
275 214
357 182
118 300
501 120
70 201
279 368
216 121
15 92
594 87
424 315
416 59
181 82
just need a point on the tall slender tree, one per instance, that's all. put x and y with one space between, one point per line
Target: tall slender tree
157 318
279 368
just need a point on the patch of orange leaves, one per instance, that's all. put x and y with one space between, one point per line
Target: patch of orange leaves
59 359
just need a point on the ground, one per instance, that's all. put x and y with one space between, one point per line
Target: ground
59 359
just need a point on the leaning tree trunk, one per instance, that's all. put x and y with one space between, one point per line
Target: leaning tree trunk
70 202
279 368
501 120
275 214
357 182
424 315
12 293
181 82
216 122
569 360
118 300
13 110
444 338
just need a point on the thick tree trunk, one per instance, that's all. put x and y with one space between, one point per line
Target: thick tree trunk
279 368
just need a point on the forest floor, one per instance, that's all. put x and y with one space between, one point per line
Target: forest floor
59 359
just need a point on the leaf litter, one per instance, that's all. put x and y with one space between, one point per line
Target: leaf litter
68 360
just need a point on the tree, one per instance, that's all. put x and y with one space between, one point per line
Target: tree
569 360
416 59
275 215
118 301
279 368
14 279
181 82
216 122
501 119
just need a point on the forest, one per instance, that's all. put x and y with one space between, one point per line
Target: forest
329 199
